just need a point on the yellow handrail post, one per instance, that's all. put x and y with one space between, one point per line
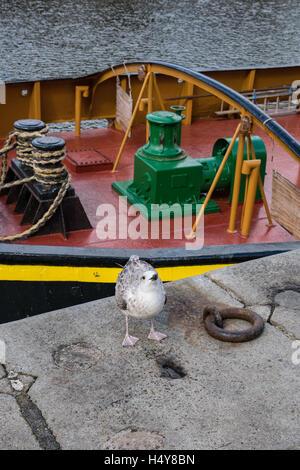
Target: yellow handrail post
245 124
189 88
214 183
161 102
150 101
131 121
251 169
35 101
84 90
246 184
261 186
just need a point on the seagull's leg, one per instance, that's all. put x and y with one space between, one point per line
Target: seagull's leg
156 335
129 340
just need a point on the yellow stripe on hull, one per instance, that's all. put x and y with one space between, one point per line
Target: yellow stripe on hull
39 273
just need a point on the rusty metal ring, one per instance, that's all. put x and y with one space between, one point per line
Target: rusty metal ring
213 322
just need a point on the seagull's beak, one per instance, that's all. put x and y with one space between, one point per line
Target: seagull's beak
154 277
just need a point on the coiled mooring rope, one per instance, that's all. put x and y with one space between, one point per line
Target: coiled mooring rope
48 168
22 141
48 171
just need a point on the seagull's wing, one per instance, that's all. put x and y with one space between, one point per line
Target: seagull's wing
121 302
121 291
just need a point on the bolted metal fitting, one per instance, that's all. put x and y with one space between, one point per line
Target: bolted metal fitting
246 125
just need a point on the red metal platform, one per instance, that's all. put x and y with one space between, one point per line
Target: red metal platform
94 187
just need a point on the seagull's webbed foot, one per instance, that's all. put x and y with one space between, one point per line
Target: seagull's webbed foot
156 335
129 340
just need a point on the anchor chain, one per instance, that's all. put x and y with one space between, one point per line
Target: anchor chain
214 325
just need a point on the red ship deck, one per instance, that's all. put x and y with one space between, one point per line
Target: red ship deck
94 188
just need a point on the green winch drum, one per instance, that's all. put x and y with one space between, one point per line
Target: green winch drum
165 175
163 137
178 110
219 150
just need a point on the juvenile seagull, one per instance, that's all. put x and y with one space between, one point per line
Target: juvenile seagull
141 294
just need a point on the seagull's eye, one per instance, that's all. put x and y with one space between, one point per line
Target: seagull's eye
143 277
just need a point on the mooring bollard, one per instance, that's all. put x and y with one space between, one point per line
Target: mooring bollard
26 131
42 191
47 156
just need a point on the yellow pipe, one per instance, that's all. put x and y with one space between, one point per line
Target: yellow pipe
261 186
142 104
248 83
84 90
189 87
161 103
150 101
246 185
35 101
251 169
214 183
131 121
237 184
162 69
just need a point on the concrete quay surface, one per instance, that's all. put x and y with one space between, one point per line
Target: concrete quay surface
69 384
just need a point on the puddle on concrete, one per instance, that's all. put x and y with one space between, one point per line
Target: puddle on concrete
170 370
77 356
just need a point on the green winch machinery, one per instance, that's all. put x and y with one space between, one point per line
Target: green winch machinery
165 174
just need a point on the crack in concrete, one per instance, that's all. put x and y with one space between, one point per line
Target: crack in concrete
272 308
274 304
284 331
229 291
279 328
39 427
33 415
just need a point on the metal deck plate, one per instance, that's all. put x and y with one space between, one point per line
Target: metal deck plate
84 160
